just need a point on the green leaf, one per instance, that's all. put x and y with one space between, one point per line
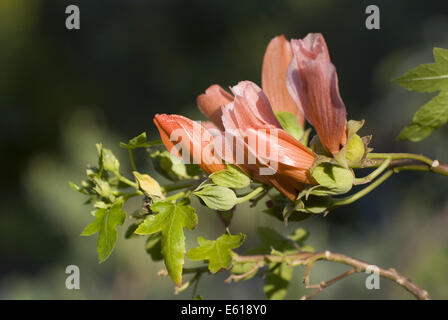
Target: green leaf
428 118
140 142
110 162
289 122
440 55
130 231
153 246
279 275
274 240
313 204
428 77
218 252
172 167
105 224
149 186
277 280
232 177
171 219
217 197
77 188
240 268
278 203
299 236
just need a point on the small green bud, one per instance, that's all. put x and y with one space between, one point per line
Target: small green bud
217 197
355 150
332 179
148 185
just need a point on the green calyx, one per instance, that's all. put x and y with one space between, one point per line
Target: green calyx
355 150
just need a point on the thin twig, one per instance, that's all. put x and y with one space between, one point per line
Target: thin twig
236 277
323 284
307 259
434 166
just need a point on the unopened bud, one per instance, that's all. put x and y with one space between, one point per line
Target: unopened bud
355 150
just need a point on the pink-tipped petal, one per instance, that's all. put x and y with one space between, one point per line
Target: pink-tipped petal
180 134
210 102
252 107
277 57
313 80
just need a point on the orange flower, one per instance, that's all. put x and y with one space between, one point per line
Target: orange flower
297 77
194 144
313 83
276 60
277 158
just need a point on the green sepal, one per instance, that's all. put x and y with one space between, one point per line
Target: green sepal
289 122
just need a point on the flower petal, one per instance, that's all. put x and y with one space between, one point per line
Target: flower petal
251 106
277 57
210 102
312 79
189 140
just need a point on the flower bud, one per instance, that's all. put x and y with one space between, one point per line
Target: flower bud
355 150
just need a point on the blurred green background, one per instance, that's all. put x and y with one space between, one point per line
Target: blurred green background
62 91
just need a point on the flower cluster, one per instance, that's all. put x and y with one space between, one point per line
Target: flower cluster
298 80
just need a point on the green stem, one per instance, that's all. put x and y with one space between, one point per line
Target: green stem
250 195
394 156
352 198
374 173
131 158
176 196
182 184
127 181
402 164
131 195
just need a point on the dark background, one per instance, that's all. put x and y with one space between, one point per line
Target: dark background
61 91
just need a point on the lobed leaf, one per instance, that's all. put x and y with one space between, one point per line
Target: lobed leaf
170 220
277 281
105 223
218 252
428 118
139 142
427 78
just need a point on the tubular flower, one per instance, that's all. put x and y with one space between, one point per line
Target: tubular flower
269 153
194 143
276 60
313 84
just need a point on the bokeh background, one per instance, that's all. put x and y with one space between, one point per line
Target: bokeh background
62 91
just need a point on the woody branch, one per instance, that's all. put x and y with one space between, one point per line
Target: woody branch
308 259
